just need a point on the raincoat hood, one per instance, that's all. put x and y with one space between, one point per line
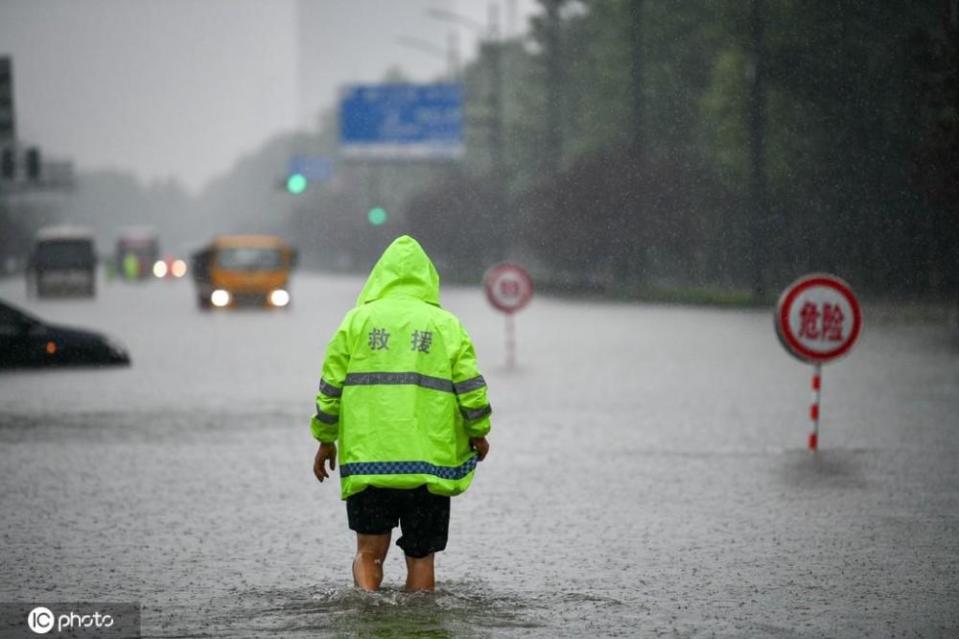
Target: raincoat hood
404 270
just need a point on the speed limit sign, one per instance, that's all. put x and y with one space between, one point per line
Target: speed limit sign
508 287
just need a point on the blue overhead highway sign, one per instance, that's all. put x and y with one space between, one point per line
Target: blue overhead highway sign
402 121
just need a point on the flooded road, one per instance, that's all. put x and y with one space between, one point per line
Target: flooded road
647 476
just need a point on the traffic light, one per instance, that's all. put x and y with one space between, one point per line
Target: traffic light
33 164
296 183
8 128
8 164
377 215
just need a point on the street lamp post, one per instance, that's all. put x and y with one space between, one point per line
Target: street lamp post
450 54
491 47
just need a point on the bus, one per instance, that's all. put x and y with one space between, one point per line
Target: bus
137 251
243 270
62 263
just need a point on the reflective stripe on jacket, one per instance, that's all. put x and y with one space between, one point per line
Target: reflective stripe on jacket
400 388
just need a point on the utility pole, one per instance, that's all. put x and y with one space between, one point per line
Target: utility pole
757 182
491 53
497 155
554 88
629 247
450 54
636 47
491 49
494 51
453 56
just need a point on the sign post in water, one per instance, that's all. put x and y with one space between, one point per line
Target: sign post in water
508 288
818 320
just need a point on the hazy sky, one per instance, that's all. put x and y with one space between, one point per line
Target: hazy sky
182 88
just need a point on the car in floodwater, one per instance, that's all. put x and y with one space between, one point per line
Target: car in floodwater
27 342
243 270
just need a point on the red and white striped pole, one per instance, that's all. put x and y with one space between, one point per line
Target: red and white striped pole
510 342
814 409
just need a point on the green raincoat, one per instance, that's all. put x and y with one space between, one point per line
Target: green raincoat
400 390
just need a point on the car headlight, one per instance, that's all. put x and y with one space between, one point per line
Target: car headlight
279 298
220 298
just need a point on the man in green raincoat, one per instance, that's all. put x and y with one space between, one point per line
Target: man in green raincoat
401 393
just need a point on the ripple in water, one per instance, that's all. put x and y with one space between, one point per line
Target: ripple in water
464 609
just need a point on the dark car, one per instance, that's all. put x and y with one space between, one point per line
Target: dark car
26 341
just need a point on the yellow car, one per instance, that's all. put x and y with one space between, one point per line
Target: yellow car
244 270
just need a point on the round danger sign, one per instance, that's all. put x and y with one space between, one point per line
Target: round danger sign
818 318
508 287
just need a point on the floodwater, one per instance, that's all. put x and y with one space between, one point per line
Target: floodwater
647 476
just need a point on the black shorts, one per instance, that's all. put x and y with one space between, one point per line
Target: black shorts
423 517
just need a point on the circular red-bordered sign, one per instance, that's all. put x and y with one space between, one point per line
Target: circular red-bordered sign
818 318
508 287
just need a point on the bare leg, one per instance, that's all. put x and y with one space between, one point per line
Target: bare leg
419 574
368 563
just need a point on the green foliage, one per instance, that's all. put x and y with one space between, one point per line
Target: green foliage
722 126
844 115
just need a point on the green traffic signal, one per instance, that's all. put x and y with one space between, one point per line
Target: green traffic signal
377 215
296 183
